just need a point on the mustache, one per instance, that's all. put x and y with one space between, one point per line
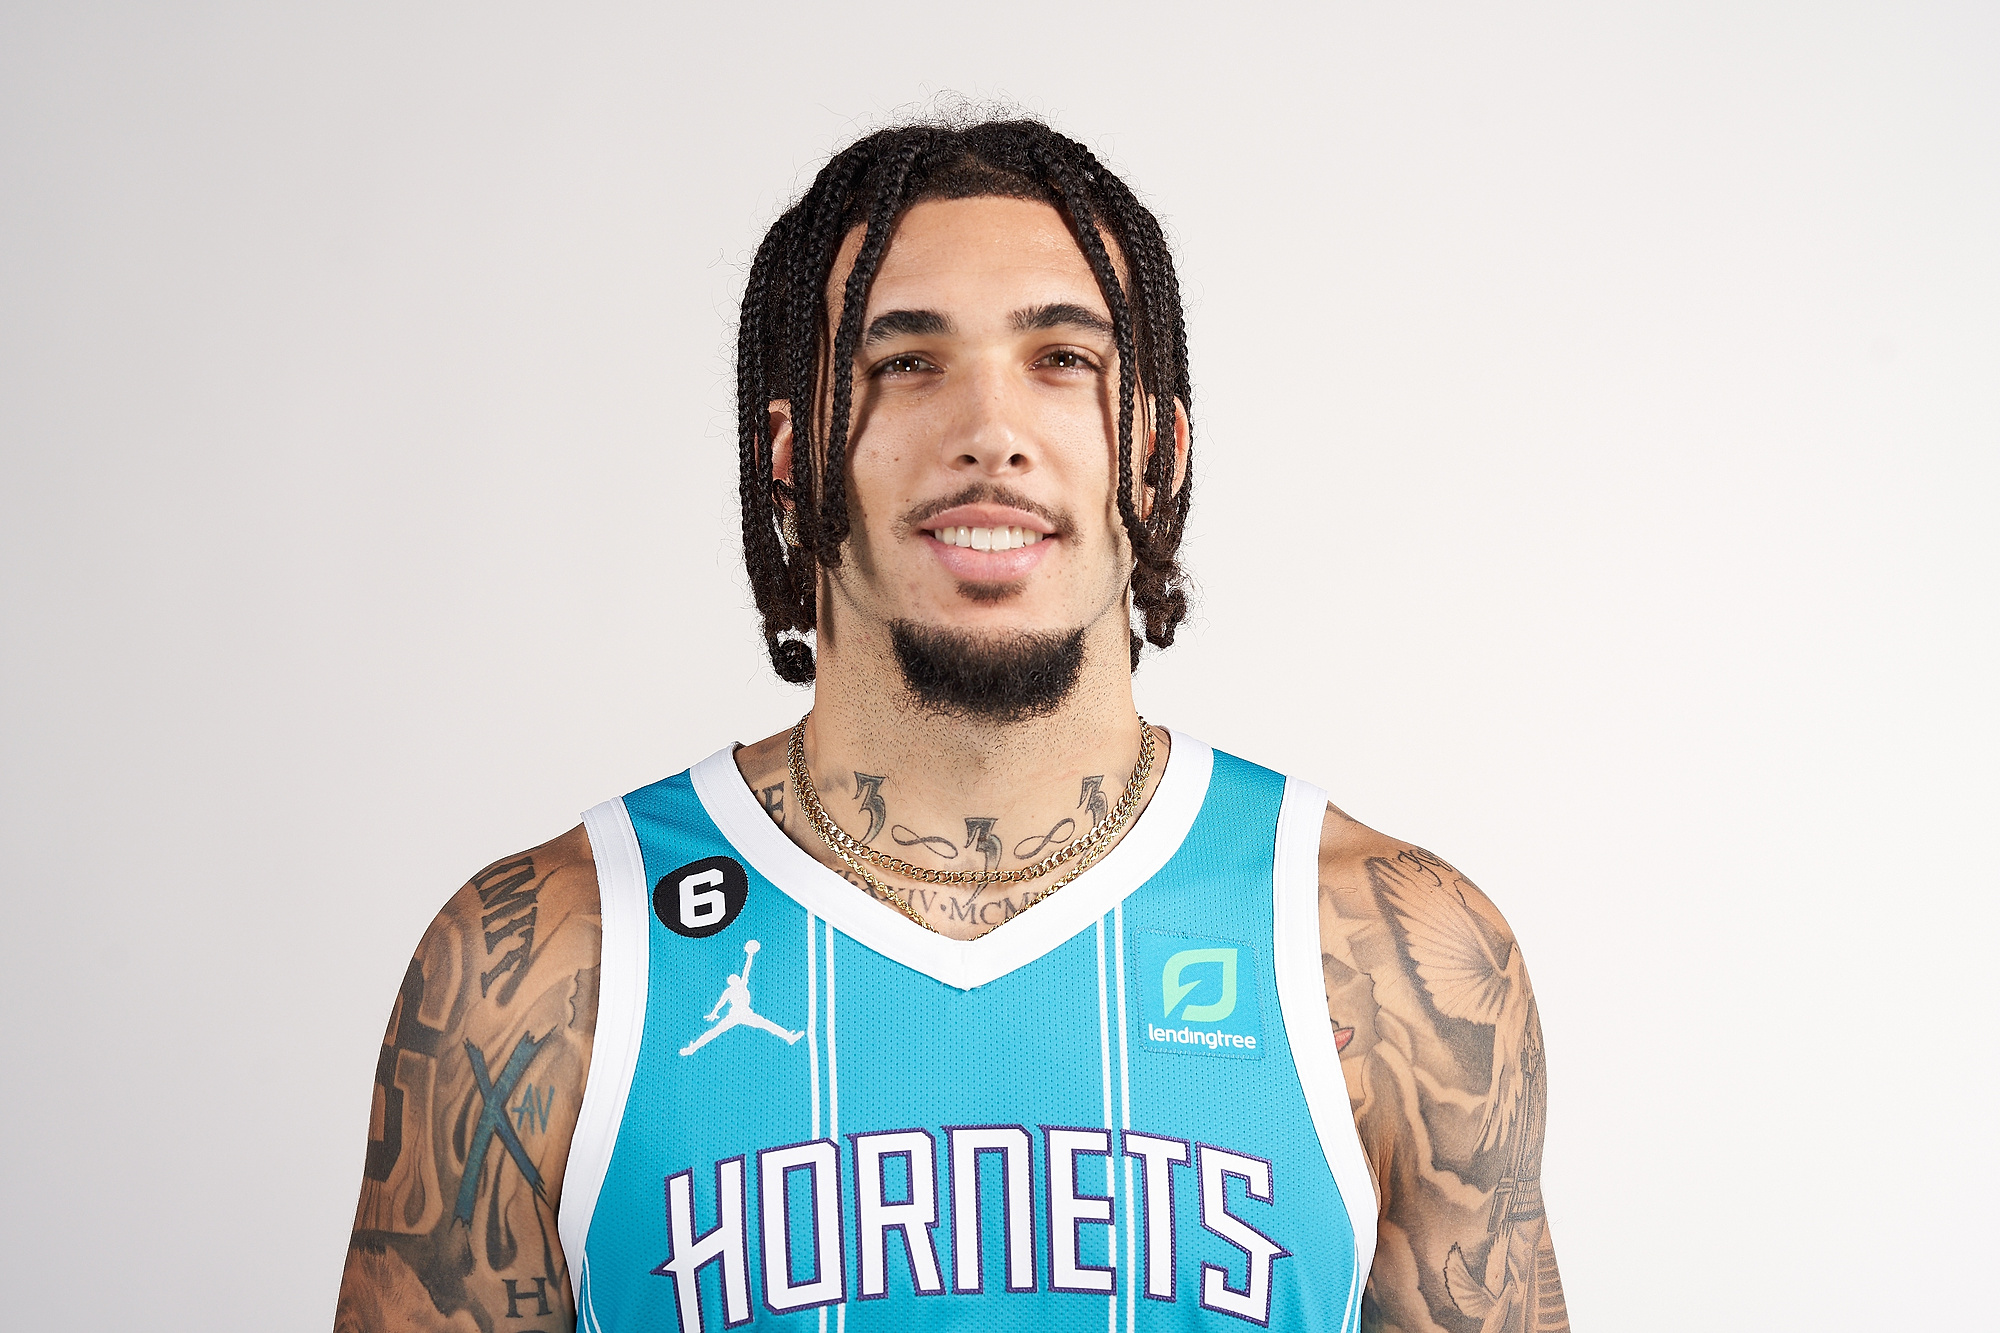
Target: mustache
987 492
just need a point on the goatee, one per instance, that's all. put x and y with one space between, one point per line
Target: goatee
994 678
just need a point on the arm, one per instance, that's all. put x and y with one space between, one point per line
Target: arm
1445 1072
476 1096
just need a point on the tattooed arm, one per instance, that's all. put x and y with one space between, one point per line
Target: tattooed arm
476 1096
1442 1051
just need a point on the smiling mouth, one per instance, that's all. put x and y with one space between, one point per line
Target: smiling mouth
986 539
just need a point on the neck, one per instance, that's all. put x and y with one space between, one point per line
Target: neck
950 791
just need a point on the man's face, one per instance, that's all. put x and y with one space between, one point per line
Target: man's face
982 458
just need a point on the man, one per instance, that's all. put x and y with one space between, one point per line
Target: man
1049 1003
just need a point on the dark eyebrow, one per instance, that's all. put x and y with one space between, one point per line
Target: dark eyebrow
908 324
1061 314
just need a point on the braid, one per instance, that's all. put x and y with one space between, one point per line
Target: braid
783 352
854 304
1156 576
1092 243
1147 579
770 575
825 205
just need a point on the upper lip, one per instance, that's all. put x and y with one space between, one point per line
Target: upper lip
986 516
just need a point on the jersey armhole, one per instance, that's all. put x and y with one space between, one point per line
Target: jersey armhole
621 1012
1308 1028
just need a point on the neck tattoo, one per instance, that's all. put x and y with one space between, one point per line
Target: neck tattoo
858 857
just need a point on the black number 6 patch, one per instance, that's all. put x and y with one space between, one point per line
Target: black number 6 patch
702 897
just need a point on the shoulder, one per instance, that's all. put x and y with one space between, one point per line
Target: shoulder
511 957
513 953
1368 877
516 924
1418 962
537 888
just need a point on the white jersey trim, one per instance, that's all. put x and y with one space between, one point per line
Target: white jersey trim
625 908
1308 1028
1139 855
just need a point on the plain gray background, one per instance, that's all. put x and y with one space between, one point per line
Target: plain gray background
1596 419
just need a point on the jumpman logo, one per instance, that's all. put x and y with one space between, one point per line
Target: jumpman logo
733 1008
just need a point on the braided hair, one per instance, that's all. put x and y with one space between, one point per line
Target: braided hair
780 350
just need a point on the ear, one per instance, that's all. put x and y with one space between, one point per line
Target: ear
780 426
1181 446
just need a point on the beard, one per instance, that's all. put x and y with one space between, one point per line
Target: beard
994 678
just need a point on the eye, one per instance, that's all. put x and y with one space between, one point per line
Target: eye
1068 358
909 363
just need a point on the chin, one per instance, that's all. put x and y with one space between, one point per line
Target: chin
996 675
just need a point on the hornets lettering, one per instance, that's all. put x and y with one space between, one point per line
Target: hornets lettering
882 1198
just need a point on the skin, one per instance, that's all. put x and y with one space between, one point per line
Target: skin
988 368
1441 1049
984 394
512 956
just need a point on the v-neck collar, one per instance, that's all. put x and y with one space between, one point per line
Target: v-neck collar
1146 847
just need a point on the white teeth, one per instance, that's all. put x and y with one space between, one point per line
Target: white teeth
987 539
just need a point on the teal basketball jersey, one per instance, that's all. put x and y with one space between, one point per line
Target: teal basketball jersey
1120 1109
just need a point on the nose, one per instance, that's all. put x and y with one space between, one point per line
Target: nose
992 434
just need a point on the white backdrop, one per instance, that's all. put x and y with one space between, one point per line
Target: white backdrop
1597 424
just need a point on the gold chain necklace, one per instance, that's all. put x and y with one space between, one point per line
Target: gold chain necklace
853 853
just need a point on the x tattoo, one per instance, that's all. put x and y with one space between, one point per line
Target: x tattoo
493 1120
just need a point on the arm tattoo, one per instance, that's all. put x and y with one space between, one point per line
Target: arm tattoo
476 1094
1442 1046
508 892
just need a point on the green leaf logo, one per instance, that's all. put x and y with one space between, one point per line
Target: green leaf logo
1175 990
